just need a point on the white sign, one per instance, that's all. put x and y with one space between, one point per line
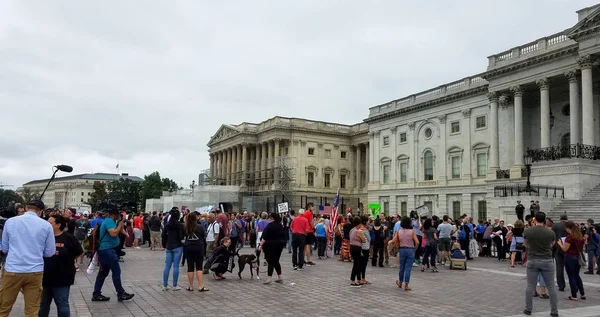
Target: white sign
283 207
423 211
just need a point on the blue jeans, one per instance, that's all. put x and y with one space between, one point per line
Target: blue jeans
591 254
173 258
109 262
289 242
61 299
407 257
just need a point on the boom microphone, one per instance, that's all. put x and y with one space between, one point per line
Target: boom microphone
64 168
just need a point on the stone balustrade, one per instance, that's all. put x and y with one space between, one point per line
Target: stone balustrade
282 122
545 44
431 94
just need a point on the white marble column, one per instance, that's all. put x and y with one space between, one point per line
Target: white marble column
276 160
357 171
220 171
575 107
394 179
211 172
518 100
367 165
587 100
244 164
544 85
494 145
414 158
234 165
264 147
257 167
370 170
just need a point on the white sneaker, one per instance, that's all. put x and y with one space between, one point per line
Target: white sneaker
166 288
137 248
176 288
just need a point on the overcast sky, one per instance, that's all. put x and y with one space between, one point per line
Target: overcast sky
145 84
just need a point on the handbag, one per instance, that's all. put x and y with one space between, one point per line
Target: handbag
580 258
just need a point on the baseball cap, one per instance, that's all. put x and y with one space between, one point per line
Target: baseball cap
37 204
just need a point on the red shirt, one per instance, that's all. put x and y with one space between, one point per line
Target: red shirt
138 223
575 246
300 225
309 216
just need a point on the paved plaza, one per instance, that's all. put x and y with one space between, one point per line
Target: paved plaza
323 290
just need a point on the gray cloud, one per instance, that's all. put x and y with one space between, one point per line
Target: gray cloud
94 84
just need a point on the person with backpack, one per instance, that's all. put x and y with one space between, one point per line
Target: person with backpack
194 243
108 241
517 246
83 227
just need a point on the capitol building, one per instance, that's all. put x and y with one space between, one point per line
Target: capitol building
462 147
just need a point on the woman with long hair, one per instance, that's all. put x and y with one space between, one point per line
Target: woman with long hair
272 243
356 241
573 246
175 233
59 271
407 242
431 240
366 249
194 250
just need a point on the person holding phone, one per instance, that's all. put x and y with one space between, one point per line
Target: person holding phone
107 256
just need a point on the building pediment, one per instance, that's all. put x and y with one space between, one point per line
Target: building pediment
588 26
225 132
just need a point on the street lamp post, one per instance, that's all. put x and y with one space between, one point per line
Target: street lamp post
528 161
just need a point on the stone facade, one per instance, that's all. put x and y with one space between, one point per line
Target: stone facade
448 147
290 159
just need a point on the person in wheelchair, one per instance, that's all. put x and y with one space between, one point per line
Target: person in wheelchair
221 260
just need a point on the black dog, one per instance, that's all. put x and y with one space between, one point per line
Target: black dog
250 259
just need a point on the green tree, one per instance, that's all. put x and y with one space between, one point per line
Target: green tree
9 197
153 186
124 191
29 194
100 194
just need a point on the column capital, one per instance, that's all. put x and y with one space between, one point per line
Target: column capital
393 129
411 125
276 139
466 113
493 96
442 118
504 101
586 61
543 83
572 75
517 90
244 144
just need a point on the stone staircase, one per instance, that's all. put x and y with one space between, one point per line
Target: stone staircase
579 211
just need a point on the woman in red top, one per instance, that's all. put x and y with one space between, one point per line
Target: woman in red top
572 246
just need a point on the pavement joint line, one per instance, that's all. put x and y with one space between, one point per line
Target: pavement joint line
588 311
522 275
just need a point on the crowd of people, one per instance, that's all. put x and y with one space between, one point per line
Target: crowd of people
210 241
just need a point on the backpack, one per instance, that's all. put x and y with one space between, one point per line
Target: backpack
462 234
519 243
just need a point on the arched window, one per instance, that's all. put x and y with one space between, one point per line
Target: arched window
428 164
565 141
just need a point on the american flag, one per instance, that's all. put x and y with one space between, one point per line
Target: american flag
334 212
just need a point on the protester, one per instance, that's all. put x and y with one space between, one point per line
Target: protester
26 240
272 242
194 245
175 234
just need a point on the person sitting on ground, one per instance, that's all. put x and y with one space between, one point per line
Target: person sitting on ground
457 253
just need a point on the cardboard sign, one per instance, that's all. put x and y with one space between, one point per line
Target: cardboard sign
423 211
282 207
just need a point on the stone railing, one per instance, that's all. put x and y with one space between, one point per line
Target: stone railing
548 43
516 190
303 123
553 153
431 94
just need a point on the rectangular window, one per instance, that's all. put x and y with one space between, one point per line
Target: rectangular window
455 167
386 208
482 210
455 210
386 174
403 209
480 122
386 140
403 172
455 127
311 179
429 205
403 137
311 151
343 154
482 164
81 199
328 153
327 180
342 181
82 194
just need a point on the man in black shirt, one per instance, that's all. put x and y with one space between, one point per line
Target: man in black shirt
155 237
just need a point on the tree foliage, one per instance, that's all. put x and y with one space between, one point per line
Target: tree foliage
124 191
8 198
28 194
153 186
100 194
